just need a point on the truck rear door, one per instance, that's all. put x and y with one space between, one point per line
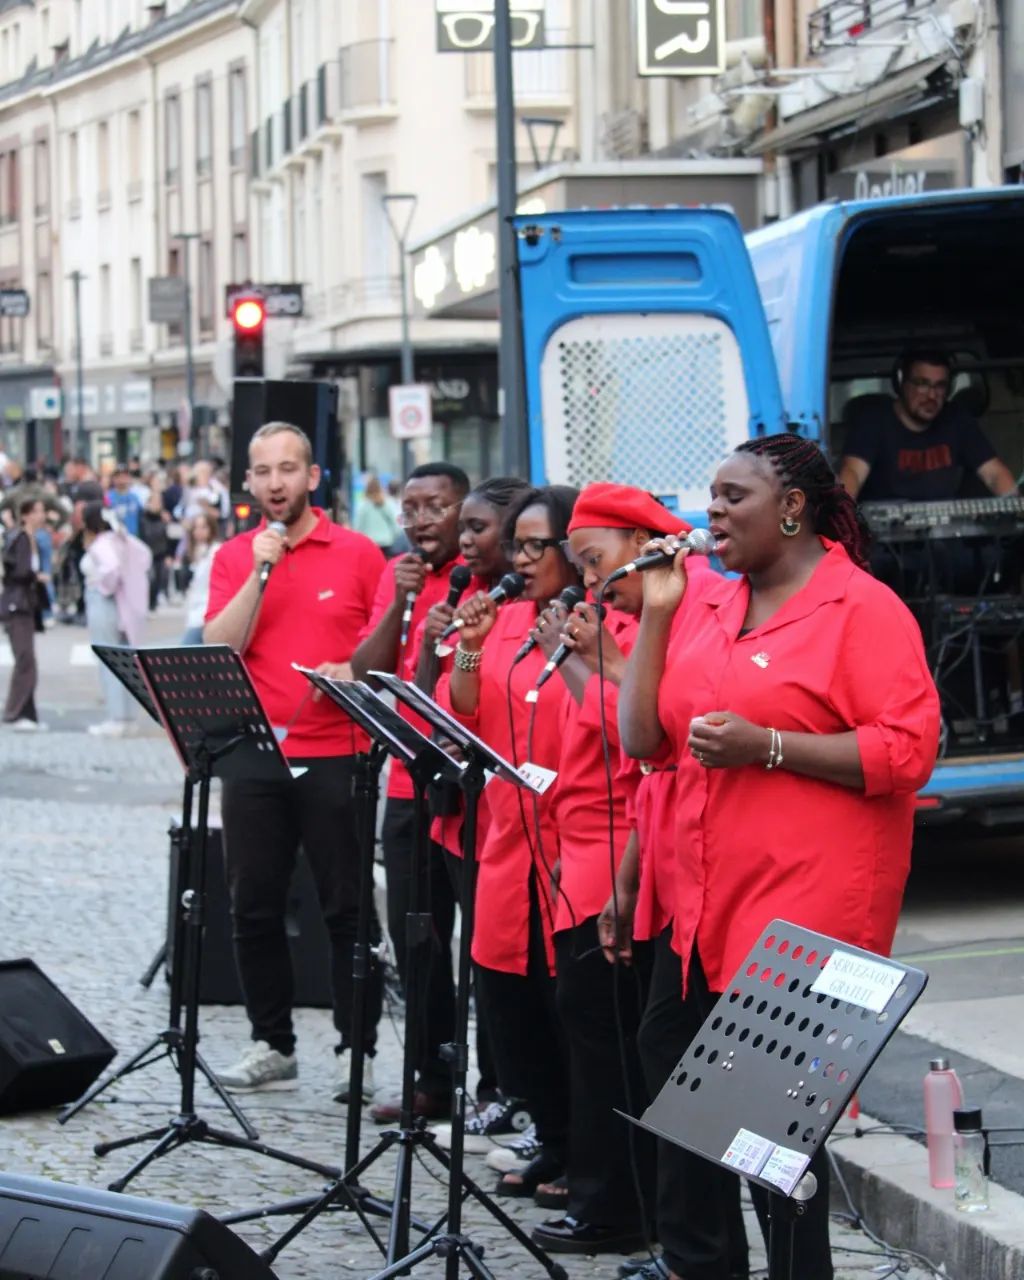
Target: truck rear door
647 351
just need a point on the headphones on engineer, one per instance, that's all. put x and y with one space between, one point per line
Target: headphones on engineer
919 356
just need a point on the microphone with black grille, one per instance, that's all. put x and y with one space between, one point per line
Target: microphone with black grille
275 526
570 597
510 586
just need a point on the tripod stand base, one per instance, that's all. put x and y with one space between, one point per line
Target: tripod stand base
191 1128
168 1044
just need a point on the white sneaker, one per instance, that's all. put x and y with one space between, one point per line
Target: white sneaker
516 1154
261 1069
342 1070
111 729
25 725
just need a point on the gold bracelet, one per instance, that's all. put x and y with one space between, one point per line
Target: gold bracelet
468 659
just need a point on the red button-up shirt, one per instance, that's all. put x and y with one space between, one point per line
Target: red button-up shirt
316 603
842 654
521 839
591 840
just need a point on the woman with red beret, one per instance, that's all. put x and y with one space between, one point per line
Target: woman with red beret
795 701
597 1004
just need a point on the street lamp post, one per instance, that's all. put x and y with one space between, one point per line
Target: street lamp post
190 374
80 445
515 437
399 208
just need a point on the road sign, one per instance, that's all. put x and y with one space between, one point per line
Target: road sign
166 299
411 417
44 402
680 37
281 300
467 26
13 304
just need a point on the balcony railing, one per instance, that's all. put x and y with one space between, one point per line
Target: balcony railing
42 210
106 344
135 340
364 296
367 80
204 166
74 207
538 74
321 96
103 200
840 21
134 191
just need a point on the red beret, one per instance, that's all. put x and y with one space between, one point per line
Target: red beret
620 506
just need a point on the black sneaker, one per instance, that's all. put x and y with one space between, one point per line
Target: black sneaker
507 1118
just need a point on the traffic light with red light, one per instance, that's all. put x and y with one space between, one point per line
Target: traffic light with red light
248 316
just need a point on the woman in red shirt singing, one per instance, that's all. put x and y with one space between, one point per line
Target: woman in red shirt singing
600 1006
512 939
802 717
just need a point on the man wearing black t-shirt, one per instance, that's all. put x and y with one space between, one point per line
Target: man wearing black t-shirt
919 448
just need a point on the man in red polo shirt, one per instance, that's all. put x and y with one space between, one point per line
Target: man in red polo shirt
316 602
411 585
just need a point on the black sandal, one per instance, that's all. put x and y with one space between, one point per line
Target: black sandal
542 1168
552 1195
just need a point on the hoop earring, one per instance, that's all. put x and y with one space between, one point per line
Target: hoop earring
790 528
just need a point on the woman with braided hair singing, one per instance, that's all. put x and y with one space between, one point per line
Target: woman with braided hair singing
799 709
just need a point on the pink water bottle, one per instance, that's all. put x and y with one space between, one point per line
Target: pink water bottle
942 1096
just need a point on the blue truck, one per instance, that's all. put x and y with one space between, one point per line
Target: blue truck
657 339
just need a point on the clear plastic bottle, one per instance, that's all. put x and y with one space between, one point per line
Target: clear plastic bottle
943 1094
970 1161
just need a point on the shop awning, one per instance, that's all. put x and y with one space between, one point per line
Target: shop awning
847 108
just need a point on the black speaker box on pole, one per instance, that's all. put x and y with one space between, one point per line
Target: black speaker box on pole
50 1231
49 1052
308 939
313 406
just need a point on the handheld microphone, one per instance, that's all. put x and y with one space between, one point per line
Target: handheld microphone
570 597
457 583
700 542
275 526
410 603
555 661
510 586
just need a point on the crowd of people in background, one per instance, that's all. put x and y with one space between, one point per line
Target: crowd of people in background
102 549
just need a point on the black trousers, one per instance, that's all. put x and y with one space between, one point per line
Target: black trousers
700 1223
437 898
527 1038
699 1220
21 692
264 824
598 1002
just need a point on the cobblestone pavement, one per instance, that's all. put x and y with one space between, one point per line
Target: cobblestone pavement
83 868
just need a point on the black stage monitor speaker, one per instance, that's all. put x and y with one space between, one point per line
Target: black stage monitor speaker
307 934
49 1052
313 406
58 1232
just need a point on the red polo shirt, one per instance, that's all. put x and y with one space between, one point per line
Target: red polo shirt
435 590
316 603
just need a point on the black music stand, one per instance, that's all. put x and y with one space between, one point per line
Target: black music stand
207 705
452 1244
425 762
769 1074
120 660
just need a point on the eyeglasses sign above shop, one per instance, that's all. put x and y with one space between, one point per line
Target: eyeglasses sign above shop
467 26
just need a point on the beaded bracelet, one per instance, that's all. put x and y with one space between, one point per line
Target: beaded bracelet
468 659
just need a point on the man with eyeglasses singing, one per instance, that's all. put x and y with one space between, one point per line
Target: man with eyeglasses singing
920 447
429 514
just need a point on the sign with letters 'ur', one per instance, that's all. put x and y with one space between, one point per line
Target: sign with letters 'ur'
681 37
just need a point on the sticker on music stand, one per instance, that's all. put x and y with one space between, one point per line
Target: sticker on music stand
867 983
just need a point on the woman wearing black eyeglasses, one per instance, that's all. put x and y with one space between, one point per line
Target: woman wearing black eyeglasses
512 940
